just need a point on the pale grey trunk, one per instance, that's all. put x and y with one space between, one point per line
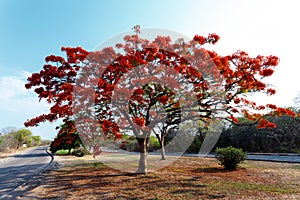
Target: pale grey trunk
163 151
143 145
161 141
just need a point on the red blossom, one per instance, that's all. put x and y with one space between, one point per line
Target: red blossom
163 99
271 91
139 121
263 123
267 72
237 101
235 120
54 58
138 91
213 38
261 107
235 110
200 39
271 106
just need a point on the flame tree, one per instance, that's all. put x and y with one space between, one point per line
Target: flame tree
138 88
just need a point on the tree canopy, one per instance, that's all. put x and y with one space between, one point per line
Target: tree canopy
144 85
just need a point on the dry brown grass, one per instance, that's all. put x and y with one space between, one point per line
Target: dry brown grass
11 152
187 178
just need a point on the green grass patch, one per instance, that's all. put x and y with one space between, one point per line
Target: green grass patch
64 152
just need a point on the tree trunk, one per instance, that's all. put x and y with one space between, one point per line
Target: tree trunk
143 145
163 151
69 152
161 141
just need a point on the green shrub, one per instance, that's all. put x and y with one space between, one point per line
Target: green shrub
81 152
230 157
64 152
153 144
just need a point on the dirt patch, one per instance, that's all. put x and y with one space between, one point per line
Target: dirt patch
187 178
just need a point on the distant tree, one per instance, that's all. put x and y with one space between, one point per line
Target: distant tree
284 138
23 136
36 140
67 137
8 142
45 142
287 133
13 139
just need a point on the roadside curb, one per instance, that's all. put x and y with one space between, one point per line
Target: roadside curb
50 164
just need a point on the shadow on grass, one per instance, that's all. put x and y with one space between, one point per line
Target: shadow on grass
101 182
214 170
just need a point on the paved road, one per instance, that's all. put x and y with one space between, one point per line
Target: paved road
272 157
18 168
290 158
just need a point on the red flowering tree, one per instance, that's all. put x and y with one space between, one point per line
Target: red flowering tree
67 137
151 93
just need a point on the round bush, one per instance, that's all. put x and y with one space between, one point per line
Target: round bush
230 157
81 152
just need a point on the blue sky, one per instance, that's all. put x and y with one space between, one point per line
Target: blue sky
33 29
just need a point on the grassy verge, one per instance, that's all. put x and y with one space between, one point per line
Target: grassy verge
64 152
